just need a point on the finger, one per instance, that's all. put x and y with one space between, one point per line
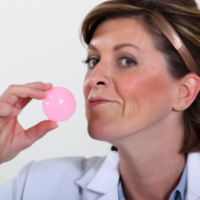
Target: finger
22 103
6 109
40 86
21 91
36 132
9 113
12 99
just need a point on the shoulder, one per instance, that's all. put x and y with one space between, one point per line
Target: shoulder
193 176
64 178
57 177
70 168
81 164
51 179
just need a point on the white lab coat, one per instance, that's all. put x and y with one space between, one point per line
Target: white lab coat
78 178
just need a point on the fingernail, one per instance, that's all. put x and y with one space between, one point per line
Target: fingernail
54 125
43 93
48 83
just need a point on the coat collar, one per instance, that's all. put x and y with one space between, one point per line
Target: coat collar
193 179
102 178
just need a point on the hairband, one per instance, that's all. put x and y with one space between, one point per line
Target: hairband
175 40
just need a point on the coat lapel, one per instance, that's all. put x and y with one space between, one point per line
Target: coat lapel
101 181
193 177
113 194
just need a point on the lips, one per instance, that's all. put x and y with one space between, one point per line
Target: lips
93 101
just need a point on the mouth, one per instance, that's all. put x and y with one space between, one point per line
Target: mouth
95 103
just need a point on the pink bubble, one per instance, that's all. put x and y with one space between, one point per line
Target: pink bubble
59 104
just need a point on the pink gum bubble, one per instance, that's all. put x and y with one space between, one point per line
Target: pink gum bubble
59 104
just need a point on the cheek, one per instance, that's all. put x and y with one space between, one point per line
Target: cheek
144 92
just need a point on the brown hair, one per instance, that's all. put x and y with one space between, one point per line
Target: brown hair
184 17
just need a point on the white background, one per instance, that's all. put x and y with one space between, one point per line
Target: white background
39 41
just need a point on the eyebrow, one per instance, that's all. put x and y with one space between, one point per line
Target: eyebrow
120 46
117 47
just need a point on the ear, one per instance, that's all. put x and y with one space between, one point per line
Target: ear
188 88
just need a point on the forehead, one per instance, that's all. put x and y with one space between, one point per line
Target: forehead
123 30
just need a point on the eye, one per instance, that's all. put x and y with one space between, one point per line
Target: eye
127 62
91 62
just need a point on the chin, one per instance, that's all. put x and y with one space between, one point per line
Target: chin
102 131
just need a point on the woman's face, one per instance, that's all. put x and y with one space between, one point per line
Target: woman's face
125 68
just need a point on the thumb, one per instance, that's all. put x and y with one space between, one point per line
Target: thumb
39 130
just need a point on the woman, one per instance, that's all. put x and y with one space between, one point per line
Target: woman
141 95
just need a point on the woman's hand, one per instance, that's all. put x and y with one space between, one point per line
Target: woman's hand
13 138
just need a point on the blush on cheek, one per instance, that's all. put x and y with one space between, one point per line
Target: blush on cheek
154 97
145 90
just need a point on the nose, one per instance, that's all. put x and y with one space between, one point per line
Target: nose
100 76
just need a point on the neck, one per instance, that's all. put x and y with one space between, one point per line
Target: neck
151 164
